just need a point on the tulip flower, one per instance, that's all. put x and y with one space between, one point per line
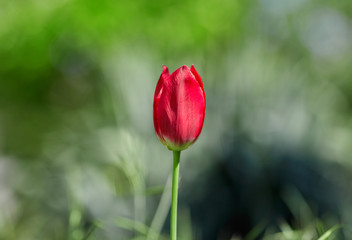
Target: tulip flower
179 108
178 113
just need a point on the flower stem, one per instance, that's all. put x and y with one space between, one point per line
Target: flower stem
175 171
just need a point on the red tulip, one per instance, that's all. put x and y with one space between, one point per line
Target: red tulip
179 107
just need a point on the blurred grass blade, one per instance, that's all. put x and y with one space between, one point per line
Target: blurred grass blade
161 212
329 232
131 225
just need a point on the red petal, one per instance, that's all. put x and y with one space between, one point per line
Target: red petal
196 75
158 90
164 75
198 78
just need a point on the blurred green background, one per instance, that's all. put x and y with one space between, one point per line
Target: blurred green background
79 158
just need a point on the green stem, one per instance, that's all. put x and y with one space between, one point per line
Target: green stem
175 171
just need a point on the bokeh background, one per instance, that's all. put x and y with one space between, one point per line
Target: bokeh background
79 158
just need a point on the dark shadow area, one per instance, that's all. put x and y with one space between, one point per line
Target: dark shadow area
250 186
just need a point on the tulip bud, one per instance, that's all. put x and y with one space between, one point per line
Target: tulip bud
179 107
